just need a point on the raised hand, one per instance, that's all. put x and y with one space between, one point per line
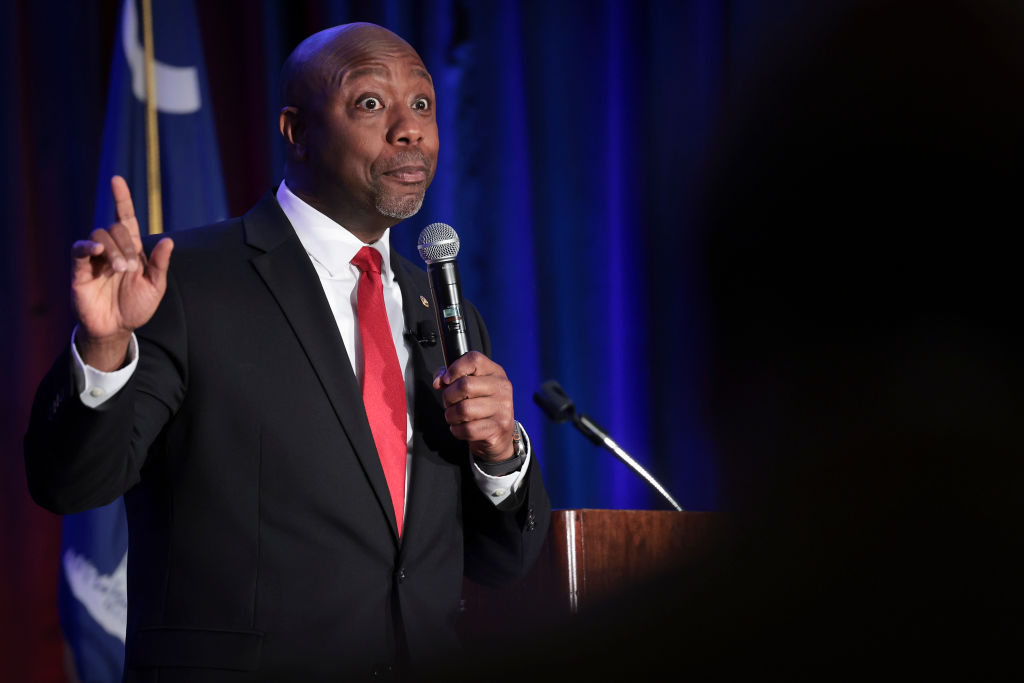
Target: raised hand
477 398
114 287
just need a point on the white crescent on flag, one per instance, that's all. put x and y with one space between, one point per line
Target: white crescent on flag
177 87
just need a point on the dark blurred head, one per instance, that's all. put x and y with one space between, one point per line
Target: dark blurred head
862 208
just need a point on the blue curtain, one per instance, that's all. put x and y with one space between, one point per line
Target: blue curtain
571 132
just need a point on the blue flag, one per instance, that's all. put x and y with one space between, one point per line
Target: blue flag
94 556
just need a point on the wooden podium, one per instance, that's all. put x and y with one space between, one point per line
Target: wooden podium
589 556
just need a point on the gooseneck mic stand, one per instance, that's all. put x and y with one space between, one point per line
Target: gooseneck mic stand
559 407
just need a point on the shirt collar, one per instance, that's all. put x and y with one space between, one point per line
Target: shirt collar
327 242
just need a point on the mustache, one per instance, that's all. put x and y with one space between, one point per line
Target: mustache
412 157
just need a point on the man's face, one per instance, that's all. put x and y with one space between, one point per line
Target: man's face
372 137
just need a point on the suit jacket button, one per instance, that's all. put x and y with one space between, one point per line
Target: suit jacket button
382 671
55 406
400 574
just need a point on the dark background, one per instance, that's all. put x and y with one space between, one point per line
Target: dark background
745 236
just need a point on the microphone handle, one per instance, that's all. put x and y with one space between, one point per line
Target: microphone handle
447 295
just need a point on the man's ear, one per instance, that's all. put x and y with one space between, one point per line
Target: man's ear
293 131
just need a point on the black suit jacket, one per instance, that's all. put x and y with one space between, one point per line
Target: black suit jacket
263 540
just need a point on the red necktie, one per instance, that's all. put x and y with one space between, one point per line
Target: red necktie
383 384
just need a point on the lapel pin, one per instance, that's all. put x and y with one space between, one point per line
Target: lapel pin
423 300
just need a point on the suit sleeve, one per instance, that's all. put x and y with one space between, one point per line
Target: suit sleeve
77 458
502 542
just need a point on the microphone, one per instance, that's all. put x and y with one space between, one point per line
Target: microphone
438 246
557 405
423 335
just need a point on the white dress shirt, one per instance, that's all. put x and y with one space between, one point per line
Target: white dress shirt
330 248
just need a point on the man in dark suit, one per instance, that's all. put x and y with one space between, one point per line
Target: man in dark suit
304 495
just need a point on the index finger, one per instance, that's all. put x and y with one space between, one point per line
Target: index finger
473 363
124 209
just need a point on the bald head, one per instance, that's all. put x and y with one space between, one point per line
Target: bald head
357 113
316 67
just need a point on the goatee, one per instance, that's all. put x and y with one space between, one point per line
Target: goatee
399 207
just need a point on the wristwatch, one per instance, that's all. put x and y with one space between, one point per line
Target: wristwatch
519 450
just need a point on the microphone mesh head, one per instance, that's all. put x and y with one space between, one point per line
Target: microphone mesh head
438 242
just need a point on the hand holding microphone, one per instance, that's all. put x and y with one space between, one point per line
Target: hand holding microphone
476 392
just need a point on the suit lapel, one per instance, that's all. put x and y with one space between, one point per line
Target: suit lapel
286 269
432 441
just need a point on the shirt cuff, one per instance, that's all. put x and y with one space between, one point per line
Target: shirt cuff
95 387
497 489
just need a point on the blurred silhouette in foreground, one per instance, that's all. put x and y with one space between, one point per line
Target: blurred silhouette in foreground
862 200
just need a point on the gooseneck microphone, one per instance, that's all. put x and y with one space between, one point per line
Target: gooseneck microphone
438 246
557 405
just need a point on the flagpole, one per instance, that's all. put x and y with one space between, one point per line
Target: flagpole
156 216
